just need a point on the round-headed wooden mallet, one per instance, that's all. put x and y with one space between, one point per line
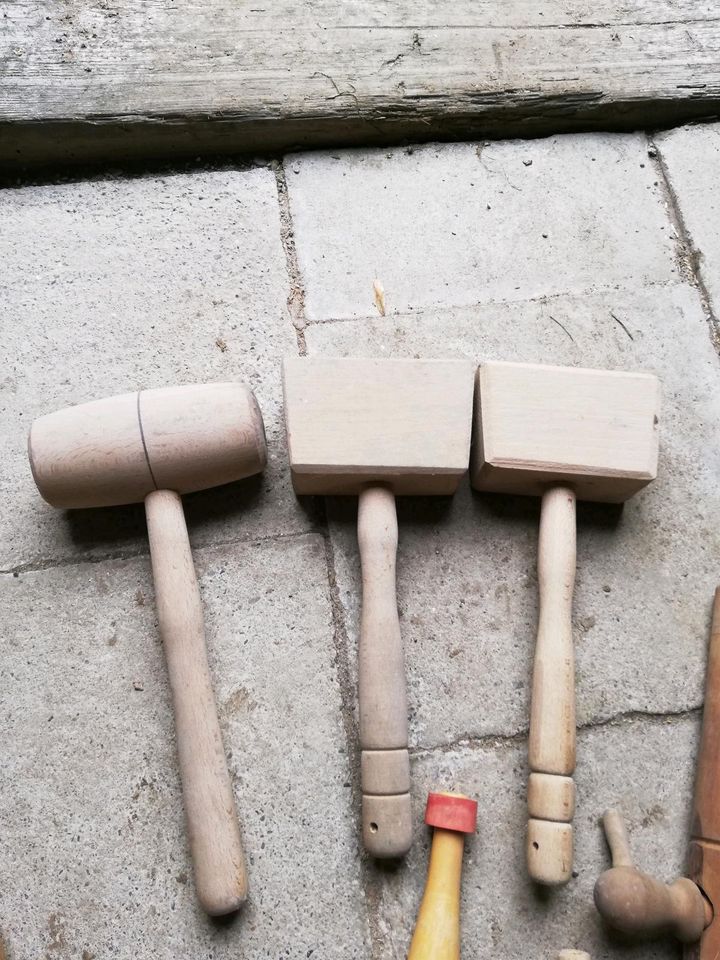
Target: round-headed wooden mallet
437 929
153 446
639 905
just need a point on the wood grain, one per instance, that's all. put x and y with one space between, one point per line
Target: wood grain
382 695
706 811
405 423
551 746
116 450
596 430
704 851
437 929
637 904
87 80
213 831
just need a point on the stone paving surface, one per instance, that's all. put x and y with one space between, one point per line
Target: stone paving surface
596 250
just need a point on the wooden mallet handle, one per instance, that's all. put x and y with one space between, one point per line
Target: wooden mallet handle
551 751
437 929
385 765
214 834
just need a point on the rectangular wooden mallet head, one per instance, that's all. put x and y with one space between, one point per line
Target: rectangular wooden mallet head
351 422
594 430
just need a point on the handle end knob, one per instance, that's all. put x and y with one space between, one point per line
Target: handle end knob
549 852
387 825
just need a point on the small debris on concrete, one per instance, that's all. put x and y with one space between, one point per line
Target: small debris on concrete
379 292
138 685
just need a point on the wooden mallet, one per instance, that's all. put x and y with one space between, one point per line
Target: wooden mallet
637 904
437 929
154 446
375 429
563 434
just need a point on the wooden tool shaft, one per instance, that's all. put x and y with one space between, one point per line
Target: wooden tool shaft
214 834
437 930
706 816
704 851
387 825
551 752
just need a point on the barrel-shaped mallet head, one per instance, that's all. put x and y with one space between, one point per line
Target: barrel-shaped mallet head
154 446
119 449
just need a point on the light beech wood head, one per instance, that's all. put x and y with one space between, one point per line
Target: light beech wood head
119 449
536 426
351 422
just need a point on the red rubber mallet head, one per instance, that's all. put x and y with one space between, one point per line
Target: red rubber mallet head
451 811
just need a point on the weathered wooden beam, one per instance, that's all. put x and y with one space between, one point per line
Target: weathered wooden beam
109 79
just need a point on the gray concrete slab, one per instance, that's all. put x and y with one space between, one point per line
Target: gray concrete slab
691 156
92 819
467 579
502 916
114 284
459 224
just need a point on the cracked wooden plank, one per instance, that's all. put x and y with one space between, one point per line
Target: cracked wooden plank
113 79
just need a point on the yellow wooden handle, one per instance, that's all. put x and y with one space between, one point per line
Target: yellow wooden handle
437 931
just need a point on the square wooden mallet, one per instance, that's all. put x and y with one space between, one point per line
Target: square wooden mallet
375 429
562 434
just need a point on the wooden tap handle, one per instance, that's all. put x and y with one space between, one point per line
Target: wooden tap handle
213 831
551 750
385 765
639 905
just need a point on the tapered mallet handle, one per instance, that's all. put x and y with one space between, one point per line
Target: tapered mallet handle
551 751
153 446
213 831
385 765
437 929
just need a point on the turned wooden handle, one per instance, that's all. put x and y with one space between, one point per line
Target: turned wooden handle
214 834
385 766
437 929
551 751
636 904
